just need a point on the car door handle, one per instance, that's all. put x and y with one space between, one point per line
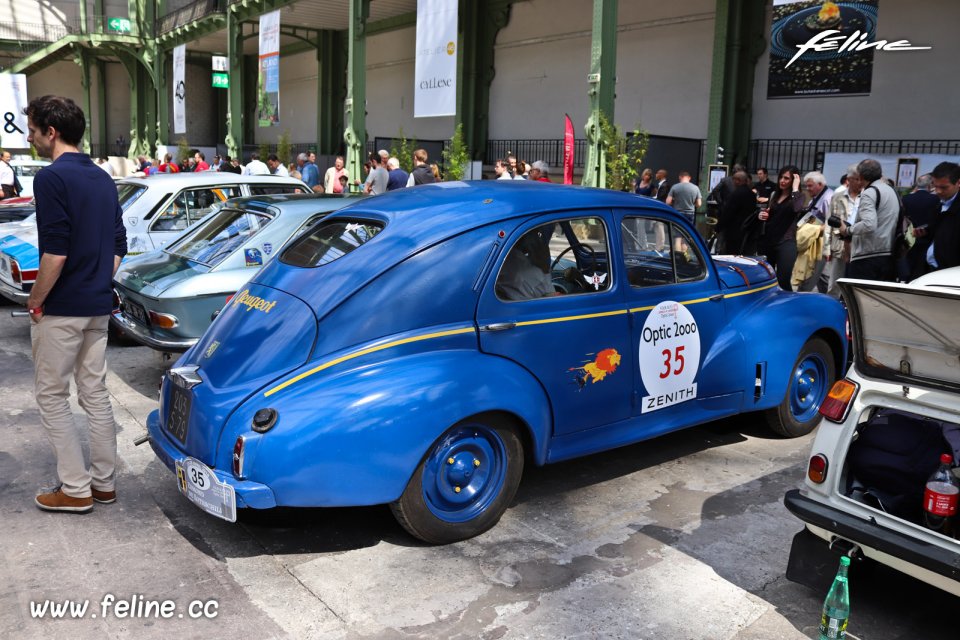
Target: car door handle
716 298
498 326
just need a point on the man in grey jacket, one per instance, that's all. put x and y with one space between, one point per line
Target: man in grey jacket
871 236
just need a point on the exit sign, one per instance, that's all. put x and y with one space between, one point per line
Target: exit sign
221 80
118 25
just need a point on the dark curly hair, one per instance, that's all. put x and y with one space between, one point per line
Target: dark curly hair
58 112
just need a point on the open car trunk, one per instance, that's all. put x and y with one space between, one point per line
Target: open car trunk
908 336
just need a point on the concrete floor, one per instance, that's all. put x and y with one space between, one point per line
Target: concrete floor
681 537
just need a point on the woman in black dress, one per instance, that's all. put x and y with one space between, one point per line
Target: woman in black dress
778 235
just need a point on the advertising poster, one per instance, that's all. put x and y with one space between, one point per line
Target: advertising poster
820 48
179 89
13 100
268 80
435 91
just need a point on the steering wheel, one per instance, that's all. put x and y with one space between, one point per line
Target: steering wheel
593 255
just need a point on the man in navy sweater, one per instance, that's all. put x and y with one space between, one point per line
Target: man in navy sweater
81 240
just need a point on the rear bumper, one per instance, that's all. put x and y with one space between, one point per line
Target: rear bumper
13 294
865 533
143 336
249 494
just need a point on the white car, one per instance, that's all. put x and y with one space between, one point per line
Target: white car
25 171
883 431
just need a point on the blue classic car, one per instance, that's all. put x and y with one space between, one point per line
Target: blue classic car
418 348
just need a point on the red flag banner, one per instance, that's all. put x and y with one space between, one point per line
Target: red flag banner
568 152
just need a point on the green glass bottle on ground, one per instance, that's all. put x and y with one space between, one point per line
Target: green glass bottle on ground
836 608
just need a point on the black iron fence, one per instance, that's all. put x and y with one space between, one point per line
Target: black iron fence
808 155
550 151
187 13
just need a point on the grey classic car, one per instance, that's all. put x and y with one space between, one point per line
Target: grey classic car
168 297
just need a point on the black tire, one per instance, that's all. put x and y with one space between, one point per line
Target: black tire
797 414
486 441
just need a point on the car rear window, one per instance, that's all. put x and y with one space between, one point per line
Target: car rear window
214 240
128 194
263 190
329 240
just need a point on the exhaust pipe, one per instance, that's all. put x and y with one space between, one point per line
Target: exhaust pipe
139 441
846 548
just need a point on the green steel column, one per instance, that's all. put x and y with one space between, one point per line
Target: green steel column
737 45
102 105
83 60
131 65
355 135
83 25
98 16
234 138
331 90
602 81
468 17
163 98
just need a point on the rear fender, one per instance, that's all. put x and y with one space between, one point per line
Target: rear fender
776 331
355 437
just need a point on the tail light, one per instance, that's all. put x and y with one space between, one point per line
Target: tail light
116 300
15 272
817 468
163 320
837 403
238 451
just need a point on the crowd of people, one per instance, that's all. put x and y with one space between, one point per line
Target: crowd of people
813 235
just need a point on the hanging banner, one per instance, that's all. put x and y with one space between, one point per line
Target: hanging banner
822 48
13 100
435 91
268 82
568 152
179 89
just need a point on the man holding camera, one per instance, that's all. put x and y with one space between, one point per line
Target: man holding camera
818 207
871 235
843 207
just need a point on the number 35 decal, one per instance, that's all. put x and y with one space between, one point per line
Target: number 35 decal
677 357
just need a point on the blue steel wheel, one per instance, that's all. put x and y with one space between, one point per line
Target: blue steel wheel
811 377
464 483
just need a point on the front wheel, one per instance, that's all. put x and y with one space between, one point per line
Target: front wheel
464 483
810 379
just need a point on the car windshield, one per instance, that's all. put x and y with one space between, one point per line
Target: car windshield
218 237
28 170
330 240
128 194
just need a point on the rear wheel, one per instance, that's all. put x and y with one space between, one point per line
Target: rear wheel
464 483
810 379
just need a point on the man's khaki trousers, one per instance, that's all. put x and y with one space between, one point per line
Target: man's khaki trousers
74 345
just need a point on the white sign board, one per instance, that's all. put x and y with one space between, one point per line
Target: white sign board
13 100
835 164
219 63
179 89
435 91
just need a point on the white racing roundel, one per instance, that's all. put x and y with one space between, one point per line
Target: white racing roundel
669 356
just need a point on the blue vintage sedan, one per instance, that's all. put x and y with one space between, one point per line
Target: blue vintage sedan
418 348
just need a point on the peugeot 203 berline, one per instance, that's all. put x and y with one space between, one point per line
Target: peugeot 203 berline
419 348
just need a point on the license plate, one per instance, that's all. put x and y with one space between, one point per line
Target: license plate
201 487
135 312
178 418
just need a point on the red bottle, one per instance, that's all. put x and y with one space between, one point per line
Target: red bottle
940 498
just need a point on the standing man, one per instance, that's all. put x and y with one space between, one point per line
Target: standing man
944 251
331 179
378 177
81 240
660 186
275 166
764 186
820 198
422 174
200 162
309 172
871 236
255 167
8 177
684 197
921 207
398 177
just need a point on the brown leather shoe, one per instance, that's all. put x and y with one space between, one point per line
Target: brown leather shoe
104 497
57 500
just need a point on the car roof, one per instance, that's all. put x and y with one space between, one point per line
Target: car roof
180 180
290 201
447 208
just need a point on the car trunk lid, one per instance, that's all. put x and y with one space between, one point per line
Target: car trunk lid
905 334
152 274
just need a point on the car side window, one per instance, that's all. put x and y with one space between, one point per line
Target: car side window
264 190
657 253
190 205
564 257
